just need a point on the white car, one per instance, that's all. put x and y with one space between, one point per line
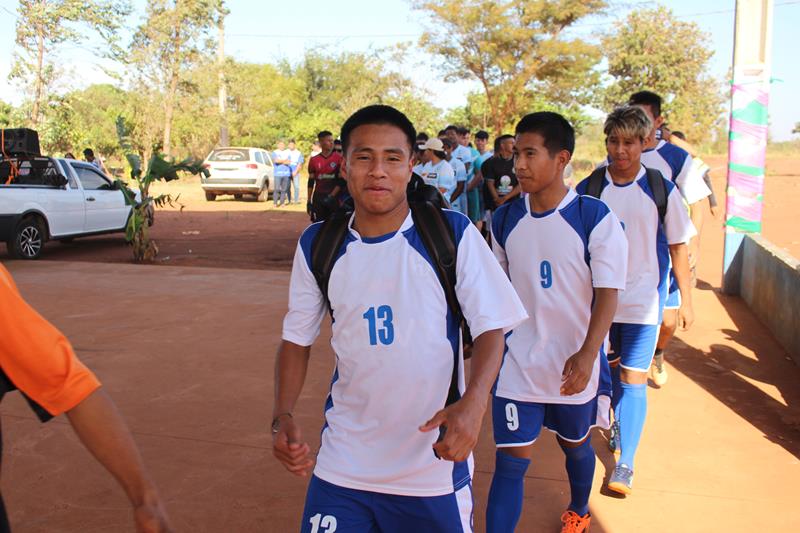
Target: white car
238 171
57 199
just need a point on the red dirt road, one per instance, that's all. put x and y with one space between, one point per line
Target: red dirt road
187 354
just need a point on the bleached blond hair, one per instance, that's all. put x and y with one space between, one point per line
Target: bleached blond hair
628 121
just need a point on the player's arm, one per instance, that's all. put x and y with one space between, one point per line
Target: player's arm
476 180
513 194
679 253
310 192
457 192
696 213
291 366
578 368
102 430
463 419
679 231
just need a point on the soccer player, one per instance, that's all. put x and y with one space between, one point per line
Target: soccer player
675 164
395 343
461 152
457 196
565 256
324 183
437 171
475 184
651 245
37 360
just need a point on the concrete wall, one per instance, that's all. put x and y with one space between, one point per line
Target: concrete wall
770 284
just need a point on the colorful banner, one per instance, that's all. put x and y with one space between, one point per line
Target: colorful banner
746 154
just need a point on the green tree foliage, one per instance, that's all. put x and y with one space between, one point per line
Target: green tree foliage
6 115
517 50
652 49
44 25
175 36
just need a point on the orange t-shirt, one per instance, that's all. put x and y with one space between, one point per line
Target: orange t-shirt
36 358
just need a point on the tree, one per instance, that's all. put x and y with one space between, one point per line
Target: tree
174 37
654 50
5 114
795 130
517 50
43 25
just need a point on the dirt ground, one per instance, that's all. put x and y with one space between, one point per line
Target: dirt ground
187 354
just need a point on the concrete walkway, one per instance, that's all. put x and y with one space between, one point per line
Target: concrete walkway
187 354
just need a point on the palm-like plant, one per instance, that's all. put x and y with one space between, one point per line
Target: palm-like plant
159 168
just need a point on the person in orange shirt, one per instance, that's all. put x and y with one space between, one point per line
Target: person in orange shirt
37 360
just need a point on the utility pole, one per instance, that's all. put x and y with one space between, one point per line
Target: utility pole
749 126
222 96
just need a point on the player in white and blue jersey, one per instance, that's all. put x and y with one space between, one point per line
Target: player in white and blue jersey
565 255
627 191
396 343
456 197
475 184
675 164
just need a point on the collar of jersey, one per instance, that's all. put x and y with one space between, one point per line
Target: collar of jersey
659 144
407 223
639 176
564 202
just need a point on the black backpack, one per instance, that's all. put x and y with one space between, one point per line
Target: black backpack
655 180
426 204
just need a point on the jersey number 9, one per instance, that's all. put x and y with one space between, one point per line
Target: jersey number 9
546 271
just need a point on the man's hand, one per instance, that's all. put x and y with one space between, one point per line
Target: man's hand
577 371
150 517
463 423
685 316
288 448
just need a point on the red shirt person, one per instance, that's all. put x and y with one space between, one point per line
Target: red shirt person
324 182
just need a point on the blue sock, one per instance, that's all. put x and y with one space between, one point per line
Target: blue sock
580 469
616 387
631 412
505 496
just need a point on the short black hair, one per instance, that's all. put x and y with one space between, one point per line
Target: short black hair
337 141
482 135
557 132
680 135
449 142
451 127
379 114
88 152
648 98
500 139
422 136
461 130
441 133
323 134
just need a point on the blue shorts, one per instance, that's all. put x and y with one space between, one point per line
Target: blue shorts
519 423
332 508
632 345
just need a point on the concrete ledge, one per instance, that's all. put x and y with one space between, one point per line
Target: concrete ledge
770 284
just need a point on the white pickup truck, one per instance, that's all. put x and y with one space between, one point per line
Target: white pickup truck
45 198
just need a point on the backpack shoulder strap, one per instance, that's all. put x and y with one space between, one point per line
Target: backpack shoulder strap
325 249
595 185
437 236
656 182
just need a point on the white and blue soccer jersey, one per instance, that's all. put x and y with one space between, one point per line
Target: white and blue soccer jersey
463 154
440 175
555 260
395 342
642 301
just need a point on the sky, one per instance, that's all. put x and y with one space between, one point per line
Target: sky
254 33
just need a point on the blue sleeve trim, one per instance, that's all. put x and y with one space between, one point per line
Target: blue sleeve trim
583 214
307 239
505 219
459 222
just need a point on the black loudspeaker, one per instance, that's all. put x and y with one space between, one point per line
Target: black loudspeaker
21 141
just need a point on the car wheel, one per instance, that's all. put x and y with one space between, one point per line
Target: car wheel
262 194
28 239
210 196
237 196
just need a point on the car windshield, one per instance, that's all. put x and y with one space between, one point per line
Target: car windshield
229 154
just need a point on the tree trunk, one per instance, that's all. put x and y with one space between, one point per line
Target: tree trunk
223 122
169 109
39 83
